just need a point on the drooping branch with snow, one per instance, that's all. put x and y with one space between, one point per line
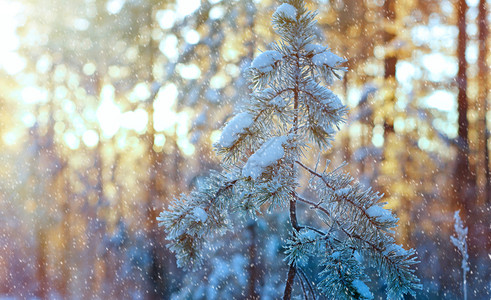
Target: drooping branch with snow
291 111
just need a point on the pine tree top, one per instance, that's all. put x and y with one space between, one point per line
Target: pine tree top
291 111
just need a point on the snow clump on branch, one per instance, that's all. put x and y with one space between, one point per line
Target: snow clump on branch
327 58
266 61
269 153
234 128
286 10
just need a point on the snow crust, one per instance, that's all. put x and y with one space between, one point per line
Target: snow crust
343 192
307 235
362 289
234 128
397 249
315 48
200 214
269 153
327 58
380 213
336 255
286 10
278 102
265 61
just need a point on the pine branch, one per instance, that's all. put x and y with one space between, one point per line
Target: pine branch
400 277
289 111
191 220
356 205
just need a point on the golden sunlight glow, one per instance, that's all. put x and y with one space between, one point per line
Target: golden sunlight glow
33 94
164 110
136 120
10 138
10 18
108 113
90 138
215 136
110 117
71 140
186 7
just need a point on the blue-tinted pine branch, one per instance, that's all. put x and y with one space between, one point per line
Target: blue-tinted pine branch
290 112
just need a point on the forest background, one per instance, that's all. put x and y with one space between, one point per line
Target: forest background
109 109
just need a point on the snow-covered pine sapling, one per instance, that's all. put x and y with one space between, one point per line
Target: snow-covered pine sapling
290 112
461 244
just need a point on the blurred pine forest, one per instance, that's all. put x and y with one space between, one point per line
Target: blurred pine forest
109 109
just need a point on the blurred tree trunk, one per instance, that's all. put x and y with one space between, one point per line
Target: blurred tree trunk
66 238
158 287
41 262
485 197
392 154
253 262
47 167
390 63
95 228
463 184
99 233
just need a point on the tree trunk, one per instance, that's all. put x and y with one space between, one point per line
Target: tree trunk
67 243
157 286
253 268
293 202
485 187
41 262
464 185
96 226
390 63
485 193
463 179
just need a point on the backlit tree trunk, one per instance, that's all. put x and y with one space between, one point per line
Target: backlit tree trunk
463 180
390 63
485 194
